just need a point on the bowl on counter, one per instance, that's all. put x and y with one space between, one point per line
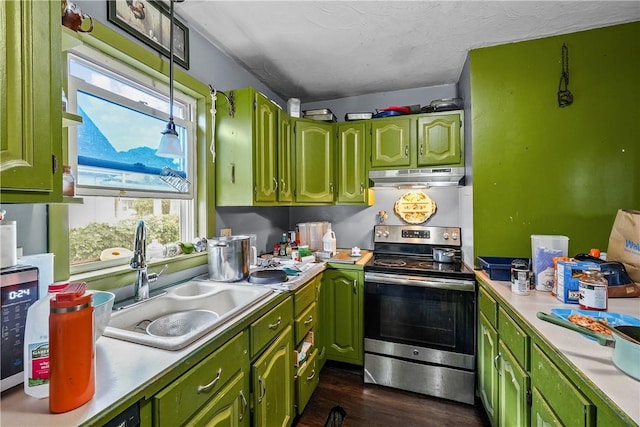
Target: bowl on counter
102 308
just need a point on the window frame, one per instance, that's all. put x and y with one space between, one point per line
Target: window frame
120 47
145 83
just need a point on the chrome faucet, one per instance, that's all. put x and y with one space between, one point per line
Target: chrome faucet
139 263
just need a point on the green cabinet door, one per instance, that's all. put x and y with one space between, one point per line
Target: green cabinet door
30 90
272 377
513 384
285 159
314 148
266 146
487 372
440 140
343 321
541 413
392 142
229 408
352 172
320 328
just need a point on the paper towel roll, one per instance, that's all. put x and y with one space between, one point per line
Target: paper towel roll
8 244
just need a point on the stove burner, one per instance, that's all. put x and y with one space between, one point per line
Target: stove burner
390 262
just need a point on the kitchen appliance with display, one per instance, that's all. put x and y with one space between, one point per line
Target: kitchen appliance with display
419 315
19 290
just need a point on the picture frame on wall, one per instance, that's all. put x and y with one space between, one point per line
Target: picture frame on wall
148 21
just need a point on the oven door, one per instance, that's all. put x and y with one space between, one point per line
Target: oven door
424 312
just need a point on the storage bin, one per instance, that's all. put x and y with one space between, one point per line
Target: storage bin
498 268
543 249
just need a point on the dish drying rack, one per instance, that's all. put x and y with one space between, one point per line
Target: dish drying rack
174 179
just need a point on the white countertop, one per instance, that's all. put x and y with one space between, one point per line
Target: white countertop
122 369
593 360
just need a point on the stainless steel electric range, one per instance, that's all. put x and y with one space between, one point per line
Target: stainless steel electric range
420 330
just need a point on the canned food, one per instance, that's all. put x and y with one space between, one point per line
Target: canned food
593 291
520 277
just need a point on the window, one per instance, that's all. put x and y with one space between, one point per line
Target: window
118 175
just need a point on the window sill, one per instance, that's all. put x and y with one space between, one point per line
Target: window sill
123 275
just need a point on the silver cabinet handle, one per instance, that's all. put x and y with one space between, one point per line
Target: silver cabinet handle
275 325
421 150
284 184
233 173
207 388
495 363
331 187
308 321
275 181
313 374
244 405
406 151
355 287
263 389
362 188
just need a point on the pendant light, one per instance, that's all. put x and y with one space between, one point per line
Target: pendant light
170 143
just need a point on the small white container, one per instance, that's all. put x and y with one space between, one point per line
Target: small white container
8 244
543 249
293 107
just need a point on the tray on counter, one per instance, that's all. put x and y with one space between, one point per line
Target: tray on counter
498 268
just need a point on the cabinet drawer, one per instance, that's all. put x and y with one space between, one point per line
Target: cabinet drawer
488 307
514 338
229 407
304 322
265 329
179 401
307 381
566 401
305 296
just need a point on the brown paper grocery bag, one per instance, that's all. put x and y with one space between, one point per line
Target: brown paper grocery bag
624 242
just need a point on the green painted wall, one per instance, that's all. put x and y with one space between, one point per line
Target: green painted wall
542 169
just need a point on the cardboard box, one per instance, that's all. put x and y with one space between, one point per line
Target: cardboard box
568 282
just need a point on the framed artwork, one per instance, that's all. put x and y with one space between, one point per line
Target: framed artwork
148 21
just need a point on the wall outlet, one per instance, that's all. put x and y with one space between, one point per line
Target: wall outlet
224 232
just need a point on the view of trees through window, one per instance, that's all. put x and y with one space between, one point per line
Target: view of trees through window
102 226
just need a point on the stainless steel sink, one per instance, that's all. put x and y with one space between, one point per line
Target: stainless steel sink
228 301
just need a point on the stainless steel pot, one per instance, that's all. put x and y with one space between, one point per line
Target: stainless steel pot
444 255
228 258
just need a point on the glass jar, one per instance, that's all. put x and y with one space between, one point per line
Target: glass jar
68 182
593 289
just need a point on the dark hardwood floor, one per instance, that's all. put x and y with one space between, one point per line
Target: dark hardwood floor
371 405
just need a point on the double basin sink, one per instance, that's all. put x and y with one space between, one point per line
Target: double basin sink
185 313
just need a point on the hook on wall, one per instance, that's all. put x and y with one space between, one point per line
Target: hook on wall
229 98
565 97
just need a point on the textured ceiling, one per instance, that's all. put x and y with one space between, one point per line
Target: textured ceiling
319 50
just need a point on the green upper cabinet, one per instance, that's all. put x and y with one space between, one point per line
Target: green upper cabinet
417 141
266 149
285 160
314 152
253 148
392 142
352 172
440 139
30 101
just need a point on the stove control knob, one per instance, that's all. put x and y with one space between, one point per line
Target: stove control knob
454 236
445 235
385 233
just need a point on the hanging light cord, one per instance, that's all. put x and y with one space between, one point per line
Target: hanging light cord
212 146
171 64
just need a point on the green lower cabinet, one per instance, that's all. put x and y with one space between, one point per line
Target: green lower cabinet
342 319
513 386
487 372
571 406
307 380
230 407
541 413
272 381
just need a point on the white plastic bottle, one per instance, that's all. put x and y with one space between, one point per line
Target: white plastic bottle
36 345
155 250
329 242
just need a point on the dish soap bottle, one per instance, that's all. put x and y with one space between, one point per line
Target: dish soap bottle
36 345
329 242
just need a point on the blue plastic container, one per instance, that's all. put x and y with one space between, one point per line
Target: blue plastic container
498 268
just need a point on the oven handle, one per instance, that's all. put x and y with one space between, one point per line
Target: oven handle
425 282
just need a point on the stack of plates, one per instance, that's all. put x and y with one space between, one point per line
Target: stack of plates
322 114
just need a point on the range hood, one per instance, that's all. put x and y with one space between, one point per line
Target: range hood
433 177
